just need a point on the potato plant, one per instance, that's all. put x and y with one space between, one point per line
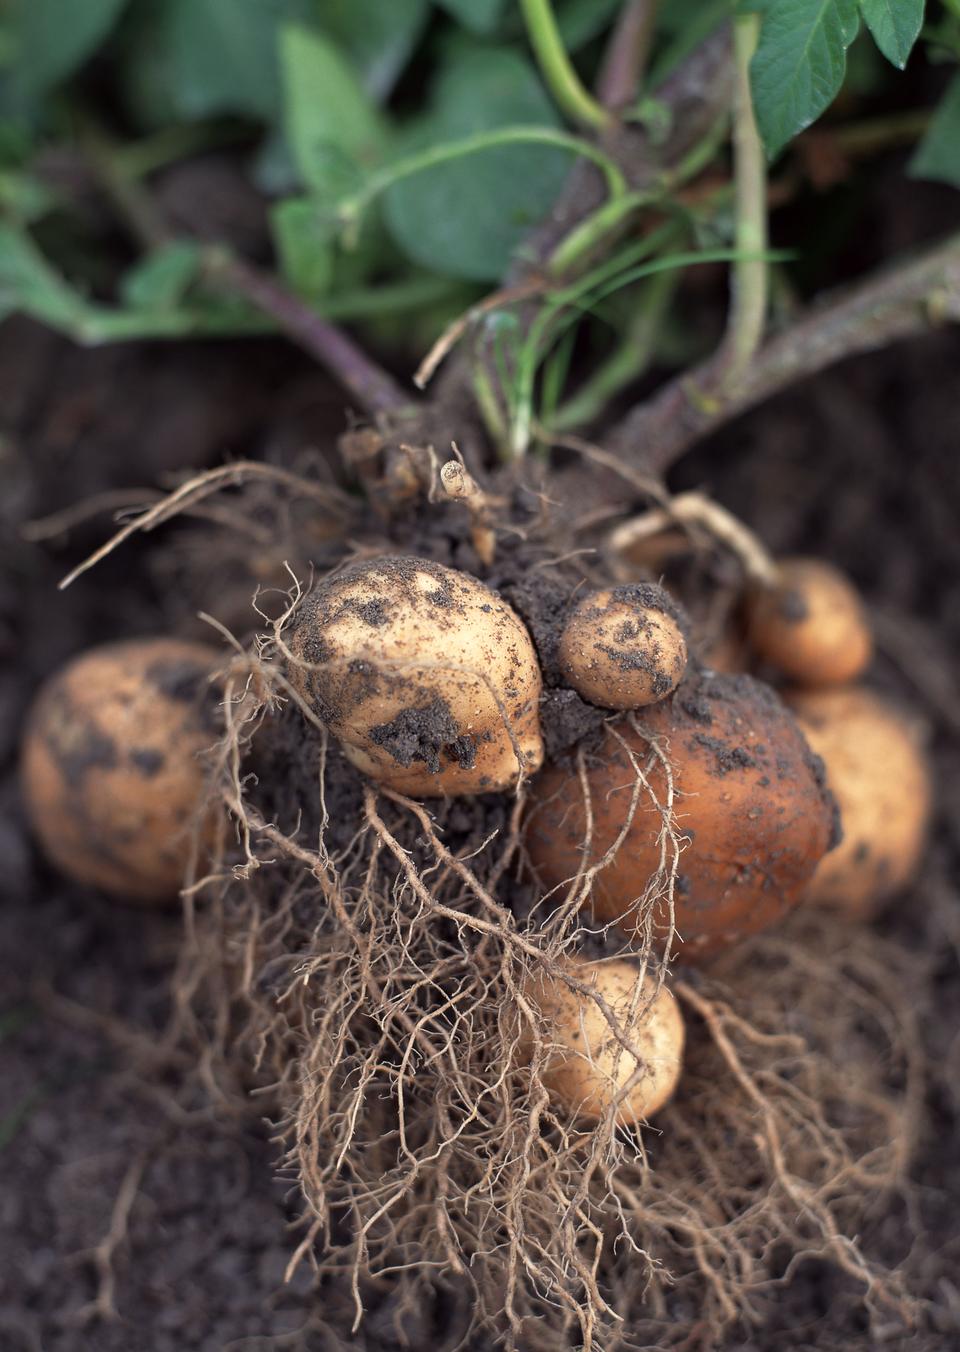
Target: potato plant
509 822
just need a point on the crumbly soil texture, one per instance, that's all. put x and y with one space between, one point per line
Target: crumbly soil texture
149 1201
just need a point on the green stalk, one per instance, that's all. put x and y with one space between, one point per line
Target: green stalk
531 355
572 98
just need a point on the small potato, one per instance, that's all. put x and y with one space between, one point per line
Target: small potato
428 679
586 1065
811 627
749 799
624 647
110 770
881 781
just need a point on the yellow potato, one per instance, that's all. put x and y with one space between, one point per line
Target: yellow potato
749 799
586 1065
624 647
812 627
110 770
428 679
879 776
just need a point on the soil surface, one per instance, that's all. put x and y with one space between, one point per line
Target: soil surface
859 467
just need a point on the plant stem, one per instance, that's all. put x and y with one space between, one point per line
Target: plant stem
573 99
376 391
749 278
626 54
902 302
587 237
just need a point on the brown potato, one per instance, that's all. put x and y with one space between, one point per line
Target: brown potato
429 680
812 627
586 1065
624 647
110 770
879 776
750 798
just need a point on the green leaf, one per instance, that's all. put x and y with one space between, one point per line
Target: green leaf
480 16
48 39
203 58
799 64
304 245
332 125
895 25
29 285
580 20
25 197
161 279
938 154
378 38
467 217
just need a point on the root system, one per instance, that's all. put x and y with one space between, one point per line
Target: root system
354 966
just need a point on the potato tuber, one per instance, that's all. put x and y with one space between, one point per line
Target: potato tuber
811 625
111 776
585 1063
749 798
428 679
879 775
624 647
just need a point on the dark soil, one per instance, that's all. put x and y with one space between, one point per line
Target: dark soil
859 467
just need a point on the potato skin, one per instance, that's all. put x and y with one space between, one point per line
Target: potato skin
750 797
624 647
812 627
422 673
586 1064
110 771
879 775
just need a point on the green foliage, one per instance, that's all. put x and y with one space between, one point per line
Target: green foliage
938 155
580 20
466 218
305 246
200 61
367 125
332 126
895 25
161 279
480 16
377 38
799 64
29 285
801 58
44 41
